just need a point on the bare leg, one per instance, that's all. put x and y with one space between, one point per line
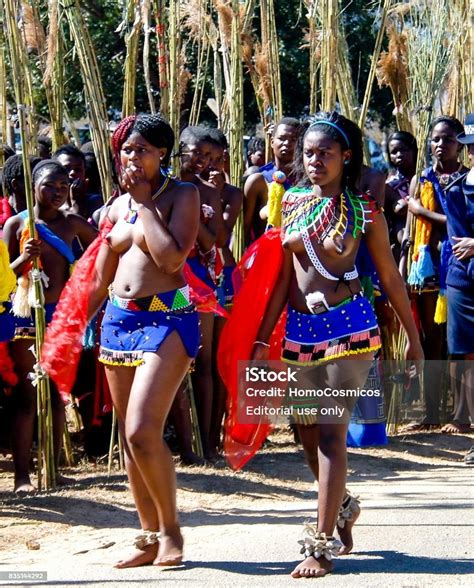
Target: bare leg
432 347
220 394
153 390
24 397
202 380
331 465
120 380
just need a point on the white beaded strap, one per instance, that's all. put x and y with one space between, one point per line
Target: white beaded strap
146 538
318 266
318 544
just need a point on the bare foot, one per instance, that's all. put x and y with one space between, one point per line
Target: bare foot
139 557
313 568
455 428
345 532
24 487
420 427
170 552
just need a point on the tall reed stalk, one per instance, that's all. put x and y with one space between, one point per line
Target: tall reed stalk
3 88
174 49
270 48
132 24
329 19
163 56
236 120
374 60
20 74
314 47
430 51
95 99
146 22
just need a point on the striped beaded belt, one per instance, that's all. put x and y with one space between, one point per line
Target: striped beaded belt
172 301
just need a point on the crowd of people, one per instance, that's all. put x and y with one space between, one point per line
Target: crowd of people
318 224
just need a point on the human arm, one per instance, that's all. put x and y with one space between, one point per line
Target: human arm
32 247
84 231
417 209
168 245
232 207
255 190
379 248
211 232
275 307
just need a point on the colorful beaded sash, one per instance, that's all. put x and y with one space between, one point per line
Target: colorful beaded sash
172 301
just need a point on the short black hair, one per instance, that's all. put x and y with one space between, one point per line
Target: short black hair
45 142
404 137
87 147
69 149
195 134
288 121
255 144
219 138
455 124
46 164
13 170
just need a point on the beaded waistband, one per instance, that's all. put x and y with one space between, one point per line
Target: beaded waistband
172 301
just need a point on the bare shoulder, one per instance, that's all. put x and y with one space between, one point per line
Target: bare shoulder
118 207
231 193
254 181
13 223
184 192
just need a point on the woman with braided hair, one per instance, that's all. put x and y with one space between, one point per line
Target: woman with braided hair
149 332
150 329
316 294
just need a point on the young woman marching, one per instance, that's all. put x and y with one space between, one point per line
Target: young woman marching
327 318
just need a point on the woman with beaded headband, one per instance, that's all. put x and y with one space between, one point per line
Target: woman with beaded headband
327 317
150 329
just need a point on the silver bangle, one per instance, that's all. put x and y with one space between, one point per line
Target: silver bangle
262 343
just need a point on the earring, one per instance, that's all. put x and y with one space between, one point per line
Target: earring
347 161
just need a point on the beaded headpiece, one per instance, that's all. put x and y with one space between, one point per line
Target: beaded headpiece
331 124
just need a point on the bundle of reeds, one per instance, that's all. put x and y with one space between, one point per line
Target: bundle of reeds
50 61
20 75
132 24
330 30
392 70
459 85
384 10
430 50
196 22
270 48
313 44
95 99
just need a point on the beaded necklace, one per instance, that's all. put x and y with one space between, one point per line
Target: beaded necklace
132 214
325 217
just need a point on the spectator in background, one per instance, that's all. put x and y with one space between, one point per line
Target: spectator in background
74 160
44 146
